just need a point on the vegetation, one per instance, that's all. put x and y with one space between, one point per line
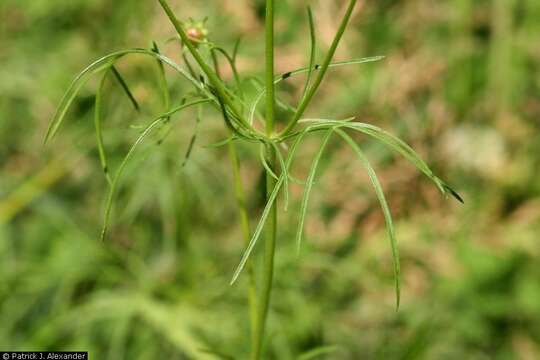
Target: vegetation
159 283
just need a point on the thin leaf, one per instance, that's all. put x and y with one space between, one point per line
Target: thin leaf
99 65
284 170
272 173
286 178
259 86
454 193
228 114
320 120
391 141
232 64
267 208
292 73
217 354
306 100
188 64
125 87
386 210
313 38
112 191
162 78
193 137
322 350
309 186
97 125
289 74
264 162
168 130
235 127
236 49
221 143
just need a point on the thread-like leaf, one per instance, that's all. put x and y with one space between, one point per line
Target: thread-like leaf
232 64
313 49
319 351
453 193
221 143
97 124
324 67
267 208
286 174
112 191
217 354
386 210
188 63
316 67
264 162
193 137
259 86
162 78
394 143
237 128
125 87
303 70
99 65
309 186
236 49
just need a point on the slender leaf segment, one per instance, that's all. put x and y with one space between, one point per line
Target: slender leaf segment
326 63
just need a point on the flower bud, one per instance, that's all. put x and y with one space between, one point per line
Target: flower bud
196 31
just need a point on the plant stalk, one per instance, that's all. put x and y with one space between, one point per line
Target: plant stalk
244 218
212 76
244 223
271 226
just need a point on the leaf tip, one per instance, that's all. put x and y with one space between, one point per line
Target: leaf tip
233 280
103 235
454 194
49 135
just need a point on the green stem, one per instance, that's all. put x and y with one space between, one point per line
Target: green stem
271 230
244 223
269 70
212 76
244 219
268 265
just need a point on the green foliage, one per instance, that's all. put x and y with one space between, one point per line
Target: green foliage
227 100
158 286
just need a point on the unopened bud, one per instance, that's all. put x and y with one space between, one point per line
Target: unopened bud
196 31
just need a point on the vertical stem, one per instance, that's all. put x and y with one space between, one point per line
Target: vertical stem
244 222
268 263
269 71
271 226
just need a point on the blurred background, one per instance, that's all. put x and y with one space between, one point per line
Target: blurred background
460 83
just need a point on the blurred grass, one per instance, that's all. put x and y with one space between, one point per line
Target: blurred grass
460 83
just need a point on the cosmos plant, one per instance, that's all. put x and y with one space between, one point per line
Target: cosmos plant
201 68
